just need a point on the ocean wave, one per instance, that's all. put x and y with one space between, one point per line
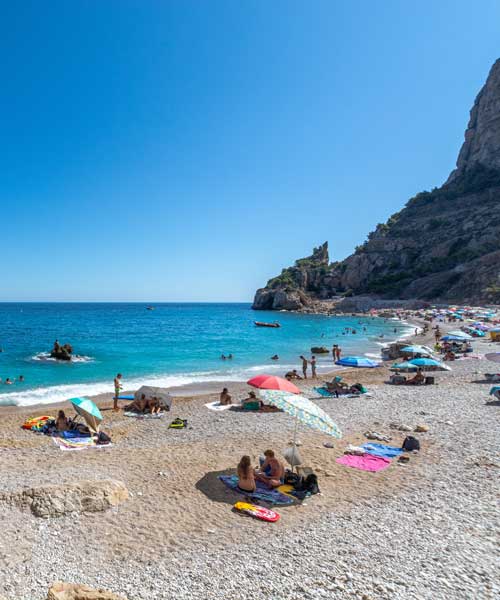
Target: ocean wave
45 357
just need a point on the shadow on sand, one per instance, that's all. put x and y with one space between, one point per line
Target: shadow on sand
215 490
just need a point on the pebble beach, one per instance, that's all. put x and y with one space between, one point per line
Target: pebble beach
427 529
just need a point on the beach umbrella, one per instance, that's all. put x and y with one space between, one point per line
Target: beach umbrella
403 366
426 364
416 350
304 410
493 357
461 334
357 361
454 338
271 382
429 364
89 411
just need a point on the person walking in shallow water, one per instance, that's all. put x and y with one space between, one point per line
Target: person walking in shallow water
304 366
118 387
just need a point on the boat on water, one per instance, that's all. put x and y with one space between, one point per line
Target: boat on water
261 324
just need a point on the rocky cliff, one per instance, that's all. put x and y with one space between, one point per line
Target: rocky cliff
443 246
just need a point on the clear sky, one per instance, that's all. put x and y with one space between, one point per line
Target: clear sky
190 149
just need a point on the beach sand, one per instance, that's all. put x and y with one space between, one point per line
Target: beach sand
421 530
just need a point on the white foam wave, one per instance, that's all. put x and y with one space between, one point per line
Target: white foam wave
45 357
60 393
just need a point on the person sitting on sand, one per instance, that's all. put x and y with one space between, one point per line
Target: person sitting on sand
225 398
417 379
292 375
271 471
154 405
246 475
252 398
138 405
449 355
62 422
337 386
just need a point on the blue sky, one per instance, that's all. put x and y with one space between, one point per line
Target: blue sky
190 149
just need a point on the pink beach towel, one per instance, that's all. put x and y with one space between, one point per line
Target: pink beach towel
367 462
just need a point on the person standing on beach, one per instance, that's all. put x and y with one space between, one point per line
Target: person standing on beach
339 351
304 366
334 352
313 367
118 387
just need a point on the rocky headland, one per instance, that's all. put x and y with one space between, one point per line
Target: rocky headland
443 246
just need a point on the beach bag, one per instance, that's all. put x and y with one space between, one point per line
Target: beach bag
310 484
103 438
410 443
178 424
292 478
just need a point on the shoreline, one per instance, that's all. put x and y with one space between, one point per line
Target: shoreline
199 383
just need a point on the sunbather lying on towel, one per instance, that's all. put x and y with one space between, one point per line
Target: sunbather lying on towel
271 471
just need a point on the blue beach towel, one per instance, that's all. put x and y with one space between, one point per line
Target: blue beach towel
262 492
382 450
323 392
73 434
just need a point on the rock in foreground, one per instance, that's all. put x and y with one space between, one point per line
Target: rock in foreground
58 500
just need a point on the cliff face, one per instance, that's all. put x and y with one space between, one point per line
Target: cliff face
443 246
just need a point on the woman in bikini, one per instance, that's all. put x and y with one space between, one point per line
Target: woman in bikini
246 478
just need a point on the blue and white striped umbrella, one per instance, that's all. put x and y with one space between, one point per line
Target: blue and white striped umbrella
357 361
303 410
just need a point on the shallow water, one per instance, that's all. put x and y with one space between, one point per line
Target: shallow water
173 345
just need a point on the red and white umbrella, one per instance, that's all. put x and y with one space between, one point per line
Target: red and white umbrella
271 382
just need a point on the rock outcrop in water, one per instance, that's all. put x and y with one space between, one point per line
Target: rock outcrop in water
61 352
444 245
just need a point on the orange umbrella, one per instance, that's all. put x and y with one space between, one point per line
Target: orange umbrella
271 382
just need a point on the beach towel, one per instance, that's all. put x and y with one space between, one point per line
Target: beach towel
73 434
134 415
367 462
382 450
218 406
83 443
323 392
126 398
262 493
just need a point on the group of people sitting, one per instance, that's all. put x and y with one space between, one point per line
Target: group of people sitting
339 387
145 405
417 379
270 472
251 402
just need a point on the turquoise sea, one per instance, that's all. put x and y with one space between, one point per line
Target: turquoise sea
173 345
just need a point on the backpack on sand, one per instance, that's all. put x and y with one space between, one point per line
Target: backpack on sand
410 443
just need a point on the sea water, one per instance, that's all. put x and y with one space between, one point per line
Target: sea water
172 345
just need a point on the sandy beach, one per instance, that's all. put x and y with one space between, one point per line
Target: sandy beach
425 529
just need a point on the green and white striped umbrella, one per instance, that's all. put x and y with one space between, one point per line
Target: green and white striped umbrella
303 410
